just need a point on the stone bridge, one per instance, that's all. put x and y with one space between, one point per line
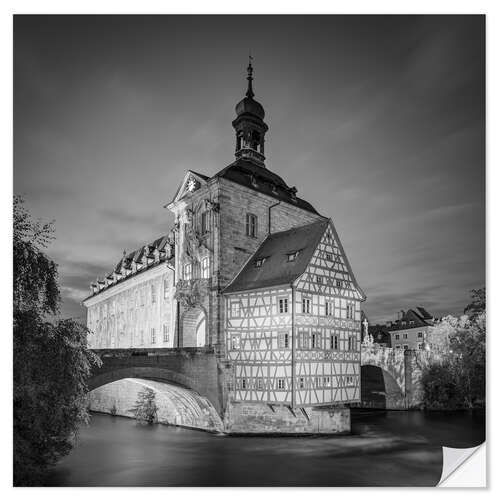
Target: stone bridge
186 381
392 378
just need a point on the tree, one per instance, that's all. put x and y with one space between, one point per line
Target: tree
478 304
458 380
51 359
145 409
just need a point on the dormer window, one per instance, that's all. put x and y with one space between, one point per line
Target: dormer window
259 262
253 181
290 257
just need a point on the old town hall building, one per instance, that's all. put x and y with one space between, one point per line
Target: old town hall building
253 271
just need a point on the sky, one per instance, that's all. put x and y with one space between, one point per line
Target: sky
377 120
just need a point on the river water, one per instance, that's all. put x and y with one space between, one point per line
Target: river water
385 449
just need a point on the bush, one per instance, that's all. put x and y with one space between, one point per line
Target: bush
51 359
440 389
145 409
459 379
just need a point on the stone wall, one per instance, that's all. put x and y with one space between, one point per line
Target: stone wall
176 405
258 418
235 202
192 368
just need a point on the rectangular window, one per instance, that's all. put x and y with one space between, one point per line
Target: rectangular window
405 347
339 284
260 384
398 346
235 309
166 336
153 294
328 308
301 383
420 335
397 336
350 311
326 381
315 341
306 306
304 340
283 306
281 383
243 383
188 271
319 280
235 342
317 381
205 268
329 256
405 335
283 342
251 226
204 222
349 342
421 346
153 336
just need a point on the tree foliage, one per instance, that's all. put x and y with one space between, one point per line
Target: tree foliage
478 304
459 379
51 359
145 408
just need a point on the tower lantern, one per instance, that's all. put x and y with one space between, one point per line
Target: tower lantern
250 126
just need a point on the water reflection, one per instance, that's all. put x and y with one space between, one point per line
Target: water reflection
385 449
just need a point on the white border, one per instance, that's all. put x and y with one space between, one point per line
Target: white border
491 8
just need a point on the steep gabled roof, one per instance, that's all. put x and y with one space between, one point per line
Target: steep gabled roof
276 269
424 314
411 316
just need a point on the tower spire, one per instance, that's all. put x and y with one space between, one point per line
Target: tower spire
250 93
249 124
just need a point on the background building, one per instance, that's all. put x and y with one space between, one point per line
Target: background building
412 329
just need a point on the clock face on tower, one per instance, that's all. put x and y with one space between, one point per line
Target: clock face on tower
191 185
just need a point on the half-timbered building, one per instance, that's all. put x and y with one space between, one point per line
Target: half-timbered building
292 321
253 272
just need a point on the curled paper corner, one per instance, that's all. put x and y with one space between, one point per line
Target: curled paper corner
453 473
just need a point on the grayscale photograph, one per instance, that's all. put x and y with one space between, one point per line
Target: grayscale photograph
248 250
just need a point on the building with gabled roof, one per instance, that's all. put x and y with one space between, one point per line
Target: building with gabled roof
252 271
412 329
295 300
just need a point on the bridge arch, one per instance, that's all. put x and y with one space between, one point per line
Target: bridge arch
194 369
141 372
380 389
194 327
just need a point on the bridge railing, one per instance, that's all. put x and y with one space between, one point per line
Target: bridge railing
148 351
